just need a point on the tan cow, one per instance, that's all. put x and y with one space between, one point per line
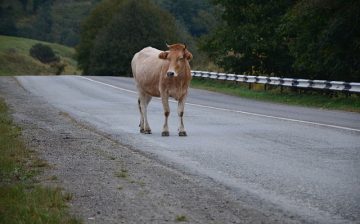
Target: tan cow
162 74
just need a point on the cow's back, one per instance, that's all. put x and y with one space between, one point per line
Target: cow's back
146 68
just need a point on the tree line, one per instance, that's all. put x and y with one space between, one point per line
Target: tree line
313 39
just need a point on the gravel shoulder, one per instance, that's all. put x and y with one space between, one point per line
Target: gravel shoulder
113 183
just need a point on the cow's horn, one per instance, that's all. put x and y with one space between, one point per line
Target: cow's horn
185 46
167 45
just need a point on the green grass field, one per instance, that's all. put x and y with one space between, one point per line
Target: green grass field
22 198
317 99
16 60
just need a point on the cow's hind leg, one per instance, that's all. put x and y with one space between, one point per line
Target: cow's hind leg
165 103
144 100
181 106
141 124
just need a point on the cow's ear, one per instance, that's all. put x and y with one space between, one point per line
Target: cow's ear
188 55
163 55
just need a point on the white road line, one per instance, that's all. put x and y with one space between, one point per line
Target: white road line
236 111
103 83
278 118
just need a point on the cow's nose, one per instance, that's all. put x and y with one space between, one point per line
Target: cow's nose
170 74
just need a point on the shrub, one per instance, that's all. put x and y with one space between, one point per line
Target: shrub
59 67
43 53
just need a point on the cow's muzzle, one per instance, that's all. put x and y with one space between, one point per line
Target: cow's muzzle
170 74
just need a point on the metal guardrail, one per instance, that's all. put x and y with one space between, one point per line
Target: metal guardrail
301 83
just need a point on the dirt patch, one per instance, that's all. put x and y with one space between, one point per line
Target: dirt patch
112 183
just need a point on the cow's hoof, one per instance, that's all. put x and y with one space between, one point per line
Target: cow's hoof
182 133
165 133
142 130
147 132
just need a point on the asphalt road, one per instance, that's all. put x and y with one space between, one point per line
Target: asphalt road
299 161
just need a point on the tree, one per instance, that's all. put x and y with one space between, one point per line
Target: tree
42 26
199 16
7 21
38 3
247 42
323 36
135 24
98 19
313 39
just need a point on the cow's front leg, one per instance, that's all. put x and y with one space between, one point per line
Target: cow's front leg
181 106
143 103
165 103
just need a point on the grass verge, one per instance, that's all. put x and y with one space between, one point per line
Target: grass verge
318 99
22 198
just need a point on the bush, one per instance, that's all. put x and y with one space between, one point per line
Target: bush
43 53
59 67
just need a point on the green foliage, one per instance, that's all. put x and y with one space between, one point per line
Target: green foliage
107 47
247 43
324 39
41 28
48 20
32 19
67 19
314 39
198 17
7 21
98 19
43 53
59 21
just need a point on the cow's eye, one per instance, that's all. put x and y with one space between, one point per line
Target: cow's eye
180 59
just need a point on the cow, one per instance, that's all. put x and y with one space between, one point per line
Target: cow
162 74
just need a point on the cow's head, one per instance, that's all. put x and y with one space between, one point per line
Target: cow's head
179 58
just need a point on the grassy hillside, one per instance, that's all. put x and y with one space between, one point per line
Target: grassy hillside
16 60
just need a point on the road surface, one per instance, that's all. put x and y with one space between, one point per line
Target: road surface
300 161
